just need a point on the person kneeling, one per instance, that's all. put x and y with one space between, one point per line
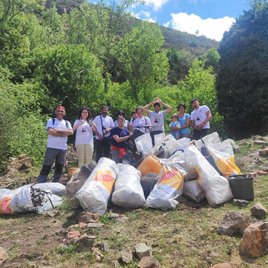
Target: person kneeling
120 135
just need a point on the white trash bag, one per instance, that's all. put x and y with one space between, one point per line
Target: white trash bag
28 199
54 187
209 139
95 193
167 190
192 189
216 188
128 192
223 156
144 144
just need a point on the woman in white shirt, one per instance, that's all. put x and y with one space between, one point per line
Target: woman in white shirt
84 137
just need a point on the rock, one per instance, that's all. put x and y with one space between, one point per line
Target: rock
86 241
95 225
88 217
222 265
233 223
240 202
3 255
52 213
259 211
73 235
254 242
148 262
97 254
260 142
114 215
142 250
125 256
103 246
261 172
82 225
264 152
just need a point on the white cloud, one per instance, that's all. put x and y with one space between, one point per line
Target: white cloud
155 3
144 15
193 24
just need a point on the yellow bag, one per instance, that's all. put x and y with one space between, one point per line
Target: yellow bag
151 164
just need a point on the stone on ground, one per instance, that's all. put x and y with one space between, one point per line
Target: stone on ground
259 211
148 262
233 223
223 265
264 152
126 256
254 242
142 250
3 255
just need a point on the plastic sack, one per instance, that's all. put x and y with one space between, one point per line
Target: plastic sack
167 190
177 160
216 188
28 199
158 138
96 191
151 164
144 144
209 139
223 156
148 182
192 190
128 192
54 187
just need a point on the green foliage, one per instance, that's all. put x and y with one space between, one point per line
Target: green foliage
145 64
242 79
71 75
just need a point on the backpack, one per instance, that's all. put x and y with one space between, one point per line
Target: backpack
53 122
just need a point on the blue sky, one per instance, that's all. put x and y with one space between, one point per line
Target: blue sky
210 18
202 17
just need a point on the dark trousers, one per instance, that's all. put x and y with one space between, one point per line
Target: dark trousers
199 134
103 148
152 133
52 155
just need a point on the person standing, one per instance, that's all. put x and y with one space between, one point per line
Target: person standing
58 130
84 137
184 120
157 117
200 118
104 125
120 135
174 127
140 121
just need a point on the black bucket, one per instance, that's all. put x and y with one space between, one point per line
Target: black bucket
242 187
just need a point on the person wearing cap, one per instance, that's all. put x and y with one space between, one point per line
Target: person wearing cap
58 130
200 117
157 117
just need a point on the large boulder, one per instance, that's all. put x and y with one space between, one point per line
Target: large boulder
254 242
259 211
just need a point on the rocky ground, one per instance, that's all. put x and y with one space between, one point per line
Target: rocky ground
192 235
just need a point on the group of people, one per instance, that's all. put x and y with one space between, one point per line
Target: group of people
111 137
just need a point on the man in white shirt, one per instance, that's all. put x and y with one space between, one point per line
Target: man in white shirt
200 118
157 117
58 131
104 125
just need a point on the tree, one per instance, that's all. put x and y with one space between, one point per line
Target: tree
71 75
145 62
242 83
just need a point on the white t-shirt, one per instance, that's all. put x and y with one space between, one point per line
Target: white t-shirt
107 122
142 123
157 120
199 116
84 133
57 142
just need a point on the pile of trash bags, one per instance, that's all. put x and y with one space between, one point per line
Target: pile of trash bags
196 169
170 169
